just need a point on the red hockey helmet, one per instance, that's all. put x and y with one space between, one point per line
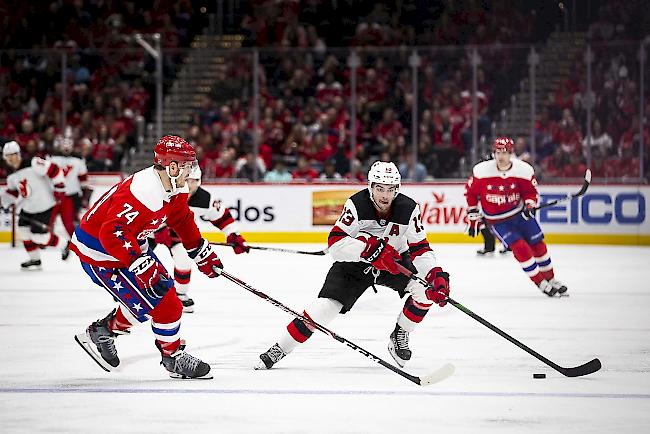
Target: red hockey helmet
503 144
173 148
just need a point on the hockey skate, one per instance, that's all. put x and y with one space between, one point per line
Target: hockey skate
559 287
98 342
31 265
546 287
270 358
65 253
184 366
484 252
398 345
503 250
188 303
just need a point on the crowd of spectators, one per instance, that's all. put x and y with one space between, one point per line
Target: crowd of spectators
305 86
108 77
563 142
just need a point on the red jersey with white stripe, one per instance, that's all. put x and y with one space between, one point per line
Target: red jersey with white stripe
75 172
402 229
33 185
114 231
501 193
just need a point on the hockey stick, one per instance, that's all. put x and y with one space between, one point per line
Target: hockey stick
583 190
577 371
35 222
277 249
439 375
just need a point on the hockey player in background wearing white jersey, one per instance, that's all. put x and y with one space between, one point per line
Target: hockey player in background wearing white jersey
378 228
207 208
77 191
34 187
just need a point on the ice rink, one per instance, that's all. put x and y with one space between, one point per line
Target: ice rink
48 384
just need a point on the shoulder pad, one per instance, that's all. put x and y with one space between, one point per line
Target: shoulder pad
402 209
363 204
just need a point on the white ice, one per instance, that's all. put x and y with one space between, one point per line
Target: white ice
48 384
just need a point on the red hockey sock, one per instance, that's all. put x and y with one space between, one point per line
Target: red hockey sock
166 323
29 245
53 241
524 254
543 260
119 323
298 330
415 311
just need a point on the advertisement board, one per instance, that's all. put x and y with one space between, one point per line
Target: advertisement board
305 212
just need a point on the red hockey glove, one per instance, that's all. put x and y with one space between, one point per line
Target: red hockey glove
529 209
474 222
381 255
152 275
163 237
206 259
238 243
440 281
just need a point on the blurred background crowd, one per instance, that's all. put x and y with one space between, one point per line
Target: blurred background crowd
105 87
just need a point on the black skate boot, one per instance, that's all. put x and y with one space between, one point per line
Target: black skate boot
188 303
398 345
547 288
32 264
98 342
559 286
185 366
270 357
65 253
503 250
484 252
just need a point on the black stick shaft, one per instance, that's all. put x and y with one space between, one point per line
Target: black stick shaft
277 249
321 328
587 368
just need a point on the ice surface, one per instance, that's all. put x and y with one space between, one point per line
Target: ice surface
48 384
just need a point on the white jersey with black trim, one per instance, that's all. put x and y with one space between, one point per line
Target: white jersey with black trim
402 229
74 170
32 186
208 208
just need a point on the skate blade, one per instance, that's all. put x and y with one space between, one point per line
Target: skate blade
34 268
176 376
188 310
84 342
391 349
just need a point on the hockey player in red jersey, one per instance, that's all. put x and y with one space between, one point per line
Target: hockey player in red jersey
378 228
35 186
506 190
76 186
207 208
111 242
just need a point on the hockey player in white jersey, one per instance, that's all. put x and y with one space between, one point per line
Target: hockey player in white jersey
34 187
77 190
378 228
207 208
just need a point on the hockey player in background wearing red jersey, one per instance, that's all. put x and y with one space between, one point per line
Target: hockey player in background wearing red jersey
506 190
378 228
77 190
35 186
111 242
206 208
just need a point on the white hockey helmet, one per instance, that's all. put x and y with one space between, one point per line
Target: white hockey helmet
10 148
196 174
382 172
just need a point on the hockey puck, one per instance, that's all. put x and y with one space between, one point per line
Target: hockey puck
539 375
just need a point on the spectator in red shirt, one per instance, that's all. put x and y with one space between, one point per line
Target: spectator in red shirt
304 171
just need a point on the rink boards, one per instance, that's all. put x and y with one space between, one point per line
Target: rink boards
606 214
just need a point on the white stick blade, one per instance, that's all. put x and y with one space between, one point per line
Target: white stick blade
442 373
588 176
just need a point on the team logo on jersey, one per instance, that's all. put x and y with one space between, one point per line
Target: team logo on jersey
23 188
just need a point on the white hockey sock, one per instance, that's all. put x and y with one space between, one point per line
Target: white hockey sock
322 311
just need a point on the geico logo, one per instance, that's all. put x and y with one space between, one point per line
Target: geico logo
596 208
251 213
